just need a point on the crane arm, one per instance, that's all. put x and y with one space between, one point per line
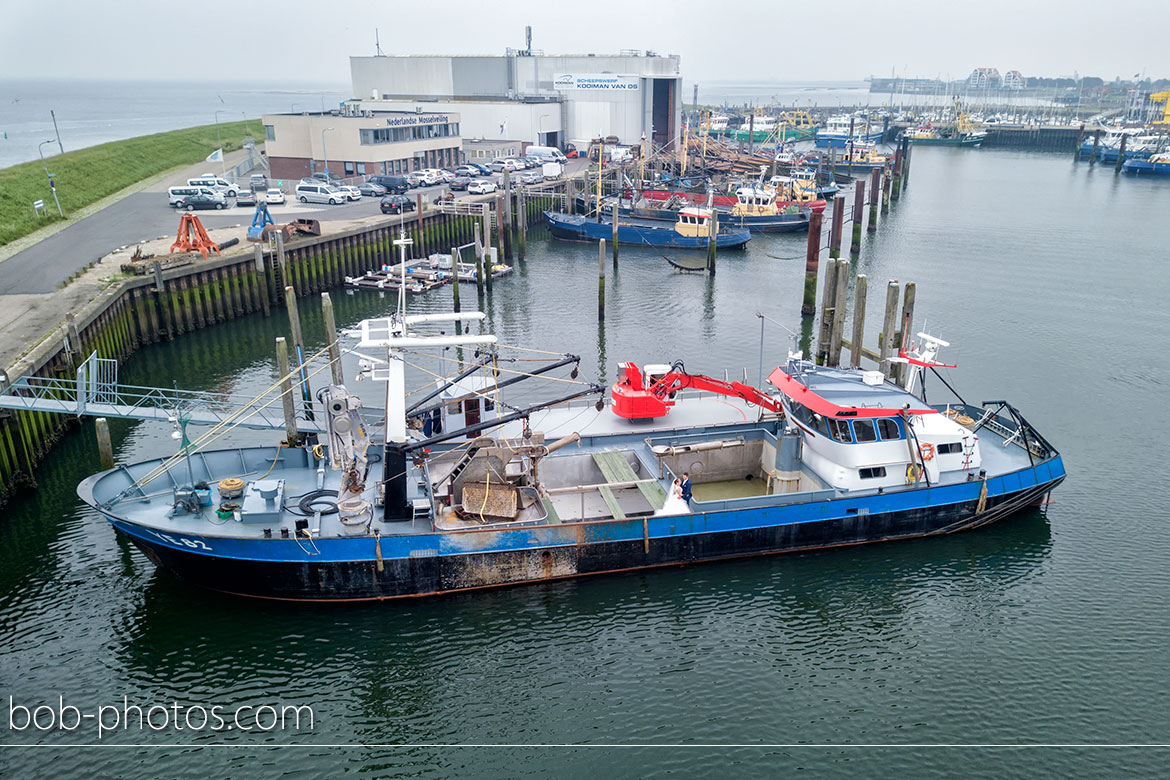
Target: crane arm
679 380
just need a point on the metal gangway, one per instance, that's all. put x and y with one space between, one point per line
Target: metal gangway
468 208
96 393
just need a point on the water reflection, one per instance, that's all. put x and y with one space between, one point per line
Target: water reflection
393 671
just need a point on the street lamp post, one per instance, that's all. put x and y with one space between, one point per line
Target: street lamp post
325 152
49 176
222 164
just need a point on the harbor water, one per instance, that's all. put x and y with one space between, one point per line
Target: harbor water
1050 627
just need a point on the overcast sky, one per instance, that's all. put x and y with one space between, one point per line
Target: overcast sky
309 41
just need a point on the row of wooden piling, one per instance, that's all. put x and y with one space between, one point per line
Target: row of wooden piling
885 185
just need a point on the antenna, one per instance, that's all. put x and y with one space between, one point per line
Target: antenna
377 45
528 40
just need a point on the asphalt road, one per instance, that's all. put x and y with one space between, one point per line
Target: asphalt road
146 215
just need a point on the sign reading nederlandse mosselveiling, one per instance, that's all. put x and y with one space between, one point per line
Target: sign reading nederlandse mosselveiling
597 81
419 119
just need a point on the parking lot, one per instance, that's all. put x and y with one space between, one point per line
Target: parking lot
146 215
366 207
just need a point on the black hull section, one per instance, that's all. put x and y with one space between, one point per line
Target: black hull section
420 576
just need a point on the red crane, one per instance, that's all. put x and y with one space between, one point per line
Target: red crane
639 398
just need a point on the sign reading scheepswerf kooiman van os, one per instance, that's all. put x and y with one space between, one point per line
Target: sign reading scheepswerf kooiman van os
597 82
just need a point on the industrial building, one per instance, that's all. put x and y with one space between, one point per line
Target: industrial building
537 98
354 142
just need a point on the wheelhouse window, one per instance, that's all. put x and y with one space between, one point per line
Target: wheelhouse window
818 424
864 430
798 412
872 473
840 431
949 448
269 133
888 429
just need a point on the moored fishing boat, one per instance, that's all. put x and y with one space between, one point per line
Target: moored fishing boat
690 230
828 457
1156 165
925 135
837 131
756 209
862 154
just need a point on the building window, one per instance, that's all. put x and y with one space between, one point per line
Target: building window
269 132
361 169
349 169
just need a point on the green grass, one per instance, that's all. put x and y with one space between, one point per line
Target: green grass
88 175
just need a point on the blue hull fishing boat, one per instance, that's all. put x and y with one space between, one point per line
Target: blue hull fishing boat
1156 165
792 222
690 230
836 133
471 492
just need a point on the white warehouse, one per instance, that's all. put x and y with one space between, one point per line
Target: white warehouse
547 100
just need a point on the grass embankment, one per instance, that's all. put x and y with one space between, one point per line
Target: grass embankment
88 175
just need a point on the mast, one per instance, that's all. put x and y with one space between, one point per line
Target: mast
393 334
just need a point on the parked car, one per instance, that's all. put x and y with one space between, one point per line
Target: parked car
371 190
274 196
201 201
330 179
396 204
319 193
258 181
246 198
414 180
483 170
481 187
507 164
431 176
468 169
459 182
531 162
175 195
546 154
530 177
215 183
351 192
395 185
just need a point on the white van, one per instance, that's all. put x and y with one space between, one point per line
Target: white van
319 193
176 194
217 184
546 154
